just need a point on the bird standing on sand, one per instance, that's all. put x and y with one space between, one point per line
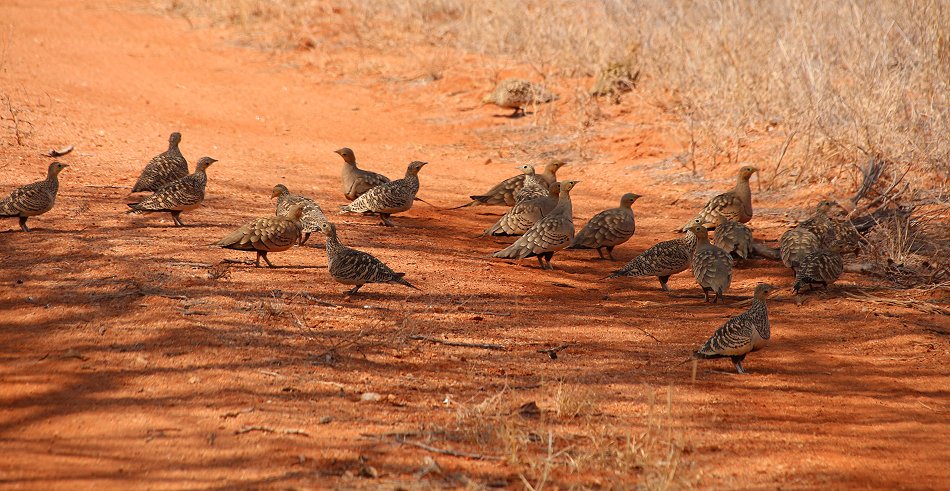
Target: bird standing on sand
389 198
733 237
312 213
164 168
503 193
822 267
808 236
534 186
357 181
525 213
514 93
662 260
267 234
712 266
608 228
352 267
184 194
33 199
741 334
549 235
735 204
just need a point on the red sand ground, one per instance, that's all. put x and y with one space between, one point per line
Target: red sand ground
125 364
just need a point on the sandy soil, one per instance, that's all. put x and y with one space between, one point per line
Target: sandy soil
133 357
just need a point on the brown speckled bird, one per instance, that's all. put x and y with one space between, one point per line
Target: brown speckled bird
608 228
820 223
741 334
33 199
712 266
526 213
312 213
513 93
549 235
503 194
267 234
533 186
357 181
184 194
662 260
733 237
822 267
352 267
389 198
164 168
735 204
795 244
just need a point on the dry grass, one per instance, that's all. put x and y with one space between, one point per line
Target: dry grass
565 437
821 84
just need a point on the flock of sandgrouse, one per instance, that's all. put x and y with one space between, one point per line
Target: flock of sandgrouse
540 215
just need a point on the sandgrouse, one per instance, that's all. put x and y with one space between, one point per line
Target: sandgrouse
514 93
33 199
549 235
733 237
503 194
184 194
534 186
164 168
608 228
353 267
712 266
389 198
662 260
735 204
822 267
267 234
312 213
741 334
525 213
357 181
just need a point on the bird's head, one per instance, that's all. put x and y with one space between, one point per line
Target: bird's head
204 163
553 166
555 189
745 172
567 186
55 168
279 190
295 212
415 166
174 138
628 199
762 290
698 229
348 156
526 169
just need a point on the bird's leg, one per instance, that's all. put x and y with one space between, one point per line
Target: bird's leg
386 221
257 260
718 296
705 294
264 257
737 361
305 237
541 262
178 222
610 252
547 258
517 111
663 280
23 226
353 290
600 252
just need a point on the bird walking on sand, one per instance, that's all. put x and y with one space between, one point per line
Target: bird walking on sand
352 267
267 234
808 236
503 193
514 93
164 168
549 235
608 228
712 266
662 260
733 237
822 267
735 204
525 213
33 199
357 181
184 194
389 198
312 213
534 185
741 334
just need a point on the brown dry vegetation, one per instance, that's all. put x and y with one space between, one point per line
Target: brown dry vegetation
135 356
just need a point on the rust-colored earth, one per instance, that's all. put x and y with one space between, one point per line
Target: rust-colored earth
134 357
